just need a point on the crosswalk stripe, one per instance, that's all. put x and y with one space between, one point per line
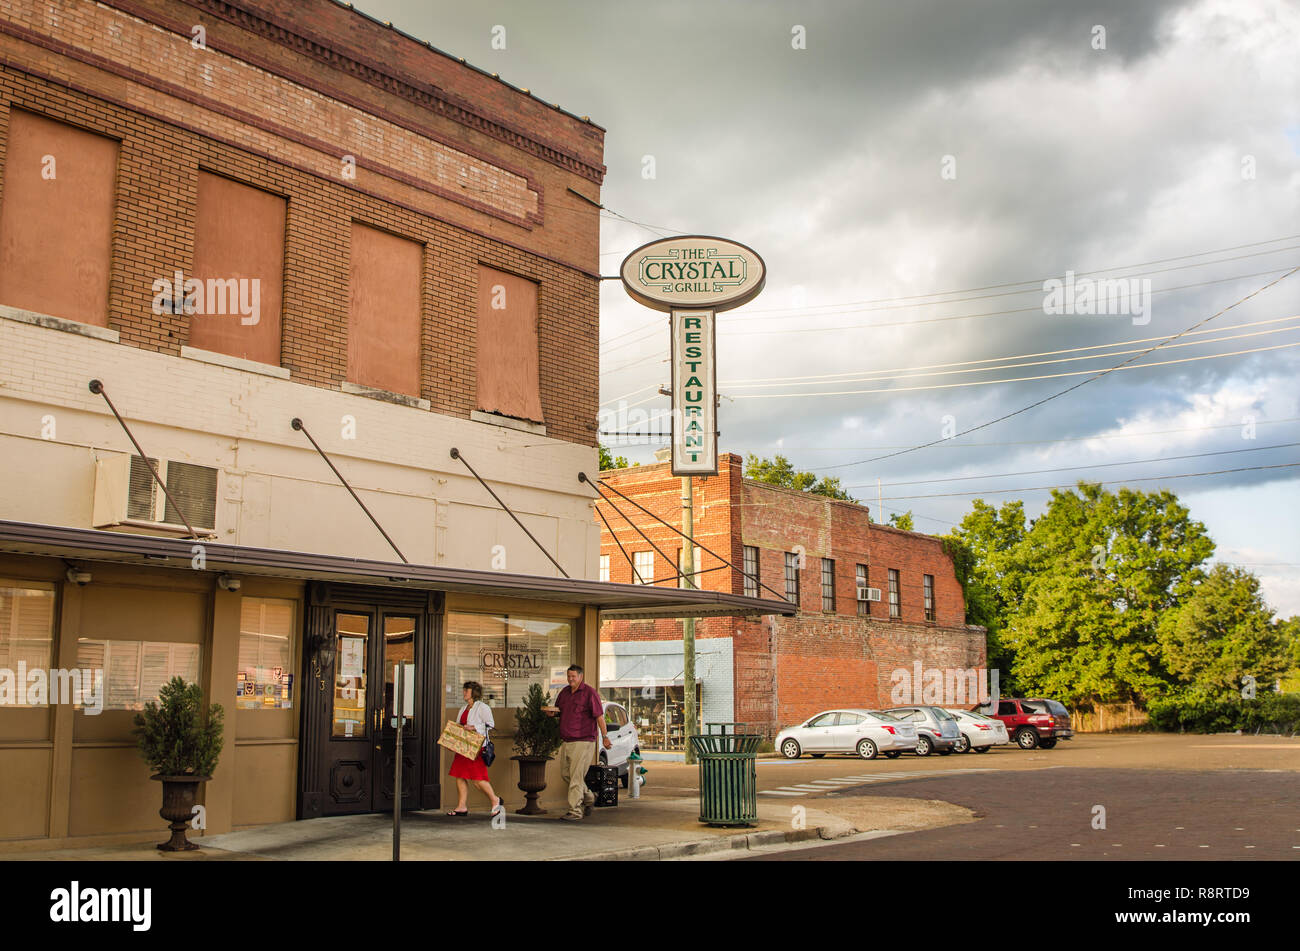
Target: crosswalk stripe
778 792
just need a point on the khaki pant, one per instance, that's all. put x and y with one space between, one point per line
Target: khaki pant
575 758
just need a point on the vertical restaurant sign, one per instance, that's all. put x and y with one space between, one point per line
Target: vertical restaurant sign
693 277
695 393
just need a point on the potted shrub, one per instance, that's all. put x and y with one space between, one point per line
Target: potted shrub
181 749
537 737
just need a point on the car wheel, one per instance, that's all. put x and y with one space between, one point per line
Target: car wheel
923 746
818 755
1026 738
893 754
790 749
963 744
980 749
867 749
1048 744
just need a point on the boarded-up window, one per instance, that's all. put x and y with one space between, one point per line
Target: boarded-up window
508 377
384 311
239 263
56 219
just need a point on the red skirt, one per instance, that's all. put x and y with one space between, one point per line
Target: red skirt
472 769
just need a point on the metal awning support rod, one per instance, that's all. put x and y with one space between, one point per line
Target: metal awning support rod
616 541
678 571
297 424
98 388
455 454
582 477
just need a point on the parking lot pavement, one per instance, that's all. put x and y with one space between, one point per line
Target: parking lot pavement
1219 815
1151 751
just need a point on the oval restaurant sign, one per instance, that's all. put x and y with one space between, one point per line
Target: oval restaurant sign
693 278
695 271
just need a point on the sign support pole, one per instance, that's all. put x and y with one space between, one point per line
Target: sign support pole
688 624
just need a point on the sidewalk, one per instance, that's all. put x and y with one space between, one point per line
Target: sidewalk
651 828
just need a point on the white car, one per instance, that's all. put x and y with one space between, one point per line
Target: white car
622 734
978 732
864 732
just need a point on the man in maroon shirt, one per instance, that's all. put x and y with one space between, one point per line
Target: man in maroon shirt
581 714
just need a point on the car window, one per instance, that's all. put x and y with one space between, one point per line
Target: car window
850 719
1057 708
886 717
615 716
1007 708
943 714
826 719
1033 706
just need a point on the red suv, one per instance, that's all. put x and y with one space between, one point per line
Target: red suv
1033 723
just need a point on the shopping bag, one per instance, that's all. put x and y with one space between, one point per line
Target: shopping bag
461 739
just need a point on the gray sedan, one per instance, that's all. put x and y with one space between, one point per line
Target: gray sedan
936 729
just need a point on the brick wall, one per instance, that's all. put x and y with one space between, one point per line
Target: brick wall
789 668
475 171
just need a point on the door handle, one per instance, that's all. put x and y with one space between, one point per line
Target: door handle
378 715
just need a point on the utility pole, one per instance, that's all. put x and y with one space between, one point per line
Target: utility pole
688 624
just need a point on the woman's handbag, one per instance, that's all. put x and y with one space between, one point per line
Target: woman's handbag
489 752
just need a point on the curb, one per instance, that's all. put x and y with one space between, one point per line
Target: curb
728 843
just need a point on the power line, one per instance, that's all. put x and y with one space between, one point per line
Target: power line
796 381
1019 356
1093 465
1039 281
1037 488
1081 383
1016 379
932 320
1040 442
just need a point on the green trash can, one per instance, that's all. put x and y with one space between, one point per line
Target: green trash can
728 775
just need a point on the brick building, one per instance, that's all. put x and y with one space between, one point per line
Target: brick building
237 214
840 649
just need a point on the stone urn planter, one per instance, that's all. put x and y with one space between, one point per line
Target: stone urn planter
179 794
537 738
532 780
181 746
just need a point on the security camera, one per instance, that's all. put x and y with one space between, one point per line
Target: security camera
227 583
78 577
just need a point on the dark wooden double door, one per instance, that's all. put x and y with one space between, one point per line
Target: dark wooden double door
355 639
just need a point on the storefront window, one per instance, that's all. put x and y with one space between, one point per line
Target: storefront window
659 714
506 654
265 677
134 671
26 627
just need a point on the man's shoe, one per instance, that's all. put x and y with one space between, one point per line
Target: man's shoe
569 816
586 809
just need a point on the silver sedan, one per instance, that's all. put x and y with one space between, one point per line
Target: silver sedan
867 733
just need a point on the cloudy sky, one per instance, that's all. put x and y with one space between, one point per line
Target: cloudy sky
911 176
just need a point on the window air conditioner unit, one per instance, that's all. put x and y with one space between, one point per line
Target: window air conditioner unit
868 594
126 495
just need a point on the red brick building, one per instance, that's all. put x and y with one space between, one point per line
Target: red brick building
841 649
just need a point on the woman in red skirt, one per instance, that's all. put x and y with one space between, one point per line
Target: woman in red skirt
476 715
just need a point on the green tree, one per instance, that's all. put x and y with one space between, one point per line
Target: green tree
1223 633
608 461
903 521
779 471
1101 571
985 550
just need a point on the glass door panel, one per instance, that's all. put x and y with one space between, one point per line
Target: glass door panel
351 667
399 648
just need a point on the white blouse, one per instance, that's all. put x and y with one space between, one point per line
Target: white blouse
480 717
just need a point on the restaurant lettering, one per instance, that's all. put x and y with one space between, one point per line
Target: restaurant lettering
510 663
